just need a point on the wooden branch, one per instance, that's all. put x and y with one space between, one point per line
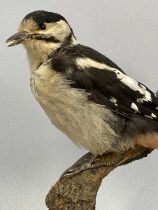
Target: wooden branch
78 192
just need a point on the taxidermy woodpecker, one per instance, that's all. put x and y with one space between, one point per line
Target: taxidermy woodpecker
85 95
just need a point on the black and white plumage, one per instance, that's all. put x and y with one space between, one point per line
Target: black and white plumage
106 82
84 93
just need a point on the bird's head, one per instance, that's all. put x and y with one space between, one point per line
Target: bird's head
41 33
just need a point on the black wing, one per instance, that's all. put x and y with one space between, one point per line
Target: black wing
105 82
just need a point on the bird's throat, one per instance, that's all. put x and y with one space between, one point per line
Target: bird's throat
40 54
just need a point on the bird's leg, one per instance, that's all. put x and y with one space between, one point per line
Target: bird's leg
90 161
82 164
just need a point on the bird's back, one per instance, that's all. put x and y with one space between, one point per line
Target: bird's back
106 83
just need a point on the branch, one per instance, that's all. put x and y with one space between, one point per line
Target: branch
78 192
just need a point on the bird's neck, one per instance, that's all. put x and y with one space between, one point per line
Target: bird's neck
38 54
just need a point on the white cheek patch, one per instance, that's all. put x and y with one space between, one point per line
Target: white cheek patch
59 30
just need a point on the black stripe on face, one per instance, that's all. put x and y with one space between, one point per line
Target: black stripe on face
45 38
49 39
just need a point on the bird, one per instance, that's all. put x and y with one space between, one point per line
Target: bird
85 94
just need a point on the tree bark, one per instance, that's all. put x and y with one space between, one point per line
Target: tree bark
79 191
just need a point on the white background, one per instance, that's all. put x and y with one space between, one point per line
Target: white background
33 153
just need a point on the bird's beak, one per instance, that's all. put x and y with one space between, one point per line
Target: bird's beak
17 38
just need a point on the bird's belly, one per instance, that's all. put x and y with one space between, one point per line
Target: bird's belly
69 109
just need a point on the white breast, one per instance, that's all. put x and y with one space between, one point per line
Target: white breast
71 112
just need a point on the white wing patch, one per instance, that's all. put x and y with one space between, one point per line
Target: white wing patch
125 79
153 115
112 99
142 86
128 81
133 84
148 116
88 63
134 106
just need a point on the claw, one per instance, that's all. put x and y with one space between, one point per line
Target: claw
87 164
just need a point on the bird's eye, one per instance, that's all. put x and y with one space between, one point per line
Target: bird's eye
42 26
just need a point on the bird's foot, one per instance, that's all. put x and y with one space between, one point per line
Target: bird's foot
89 161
